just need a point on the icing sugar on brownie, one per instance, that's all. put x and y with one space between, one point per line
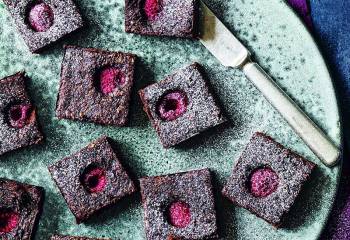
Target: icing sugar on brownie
91 179
20 209
95 86
267 179
42 23
181 105
179 206
175 18
18 119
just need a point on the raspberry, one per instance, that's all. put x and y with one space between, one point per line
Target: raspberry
94 179
19 115
152 8
41 17
110 78
8 220
263 182
172 105
179 214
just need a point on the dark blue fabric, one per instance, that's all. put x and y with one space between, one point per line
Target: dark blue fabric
331 20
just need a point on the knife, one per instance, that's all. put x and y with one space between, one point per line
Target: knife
232 53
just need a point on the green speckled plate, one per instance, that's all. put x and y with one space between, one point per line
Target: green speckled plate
281 44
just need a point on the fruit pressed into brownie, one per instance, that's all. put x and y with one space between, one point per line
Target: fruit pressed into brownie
18 119
181 105
20 209
174 18
95 86
42 22
91 179
179 206
267 179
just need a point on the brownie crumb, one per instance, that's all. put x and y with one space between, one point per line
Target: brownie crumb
95 86
179 206
267 179
20 209
42 23
19 126
91 179
181 106
172 18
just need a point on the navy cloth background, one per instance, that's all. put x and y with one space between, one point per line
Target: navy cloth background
331 28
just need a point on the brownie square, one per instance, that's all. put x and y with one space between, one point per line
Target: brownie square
95 86
91 179
267 179
174 18
42 22
179 206
18 119
59 237
20 209
181 106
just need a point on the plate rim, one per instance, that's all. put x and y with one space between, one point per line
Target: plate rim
321 57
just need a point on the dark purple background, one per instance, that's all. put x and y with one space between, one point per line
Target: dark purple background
329 22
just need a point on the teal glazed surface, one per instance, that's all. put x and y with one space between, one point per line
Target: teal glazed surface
280 43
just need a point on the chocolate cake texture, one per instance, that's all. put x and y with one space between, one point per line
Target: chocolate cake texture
95 86
43 22
279 172
174 18
91 179
18 119
20 209
181 105
179 206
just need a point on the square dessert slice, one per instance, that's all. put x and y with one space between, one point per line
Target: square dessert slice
42 22
174 18
60 237
267 179
181 106
18 121
95 86
91 179
179 206
20 209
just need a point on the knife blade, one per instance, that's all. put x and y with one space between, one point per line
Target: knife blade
232 53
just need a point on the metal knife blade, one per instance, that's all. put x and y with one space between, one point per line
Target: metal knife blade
232 53
220 41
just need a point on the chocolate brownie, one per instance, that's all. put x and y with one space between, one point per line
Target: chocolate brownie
267 179
42 22
95 86
179 206
174 18
18 121
59 237
91 179
181 106
20 209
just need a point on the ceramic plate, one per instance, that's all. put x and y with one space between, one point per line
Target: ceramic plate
280 43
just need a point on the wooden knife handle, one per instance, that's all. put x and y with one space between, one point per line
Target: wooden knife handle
300 122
